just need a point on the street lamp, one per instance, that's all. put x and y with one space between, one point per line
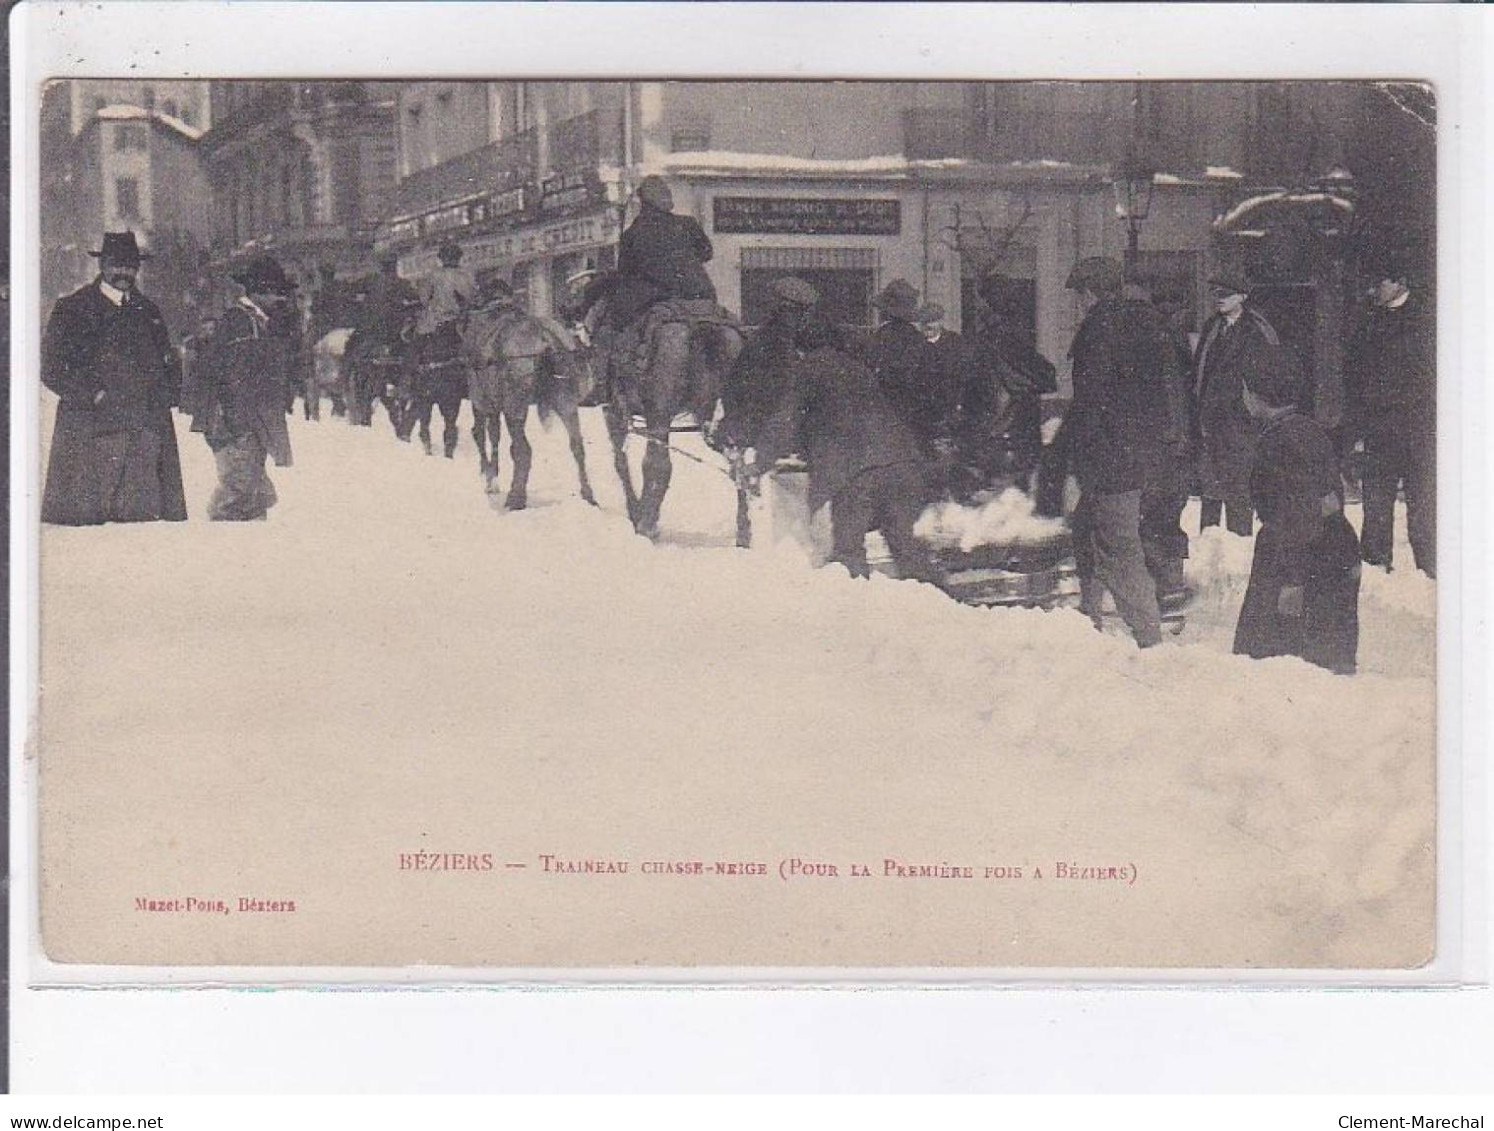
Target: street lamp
1134 182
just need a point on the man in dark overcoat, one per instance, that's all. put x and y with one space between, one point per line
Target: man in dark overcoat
660 256
250 366
904 363
953 366
756 384
108 355
1303 595
1117 430
1237 341
1001 416
863 458
1392 379
383 321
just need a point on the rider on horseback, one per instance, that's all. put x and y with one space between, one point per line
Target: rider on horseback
385 306
437 375
660 258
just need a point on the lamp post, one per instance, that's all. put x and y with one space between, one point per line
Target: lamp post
1134 182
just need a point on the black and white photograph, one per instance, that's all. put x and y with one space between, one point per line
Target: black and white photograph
851 525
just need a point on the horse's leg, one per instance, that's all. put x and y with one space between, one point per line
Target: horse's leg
451 409
617 417
424 407
572 421
485 433
515 414
656 474
744 519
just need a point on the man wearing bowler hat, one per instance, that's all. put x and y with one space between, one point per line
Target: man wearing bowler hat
904 362
248 371
108 355
1237 342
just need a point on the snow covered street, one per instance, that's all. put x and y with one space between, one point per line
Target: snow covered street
389 666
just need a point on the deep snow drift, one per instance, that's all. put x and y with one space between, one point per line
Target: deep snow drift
391 664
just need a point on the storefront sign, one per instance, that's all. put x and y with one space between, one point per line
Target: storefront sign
567 192
807 216
557 238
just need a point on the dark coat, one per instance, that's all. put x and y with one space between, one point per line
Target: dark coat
836 412
1225 435
248 371
114 457
385 307
755 386
1000 417
908 374
660 256
1391 374
1305 542
1122 421
953 367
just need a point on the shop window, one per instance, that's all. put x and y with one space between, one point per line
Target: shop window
127 198
845 278
520 283
129 137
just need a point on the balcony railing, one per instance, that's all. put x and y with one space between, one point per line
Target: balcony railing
497 165
1083 137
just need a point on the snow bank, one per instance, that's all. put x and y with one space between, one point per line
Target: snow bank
392 657
1005 519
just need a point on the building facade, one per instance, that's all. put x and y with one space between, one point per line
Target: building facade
127 167
529 178
303 170
851 185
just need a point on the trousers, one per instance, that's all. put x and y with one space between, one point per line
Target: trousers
1108 553
244 490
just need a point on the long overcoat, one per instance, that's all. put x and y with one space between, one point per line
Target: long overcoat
908 374
1304 542
114 456
1122 420
1225 433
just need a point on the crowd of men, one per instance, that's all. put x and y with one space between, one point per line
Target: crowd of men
885 421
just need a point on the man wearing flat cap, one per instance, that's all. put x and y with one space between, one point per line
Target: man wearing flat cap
660 256
756 384
108 355
250 365
1118 429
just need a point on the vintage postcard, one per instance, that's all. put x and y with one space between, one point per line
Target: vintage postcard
565 524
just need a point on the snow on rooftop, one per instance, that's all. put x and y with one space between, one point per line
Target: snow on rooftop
123 112
1283 196
888 165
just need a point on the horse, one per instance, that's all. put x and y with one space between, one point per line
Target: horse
436 374
514 360
686 358
375 372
